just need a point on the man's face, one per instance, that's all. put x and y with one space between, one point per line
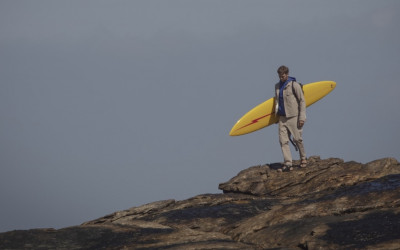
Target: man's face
283 77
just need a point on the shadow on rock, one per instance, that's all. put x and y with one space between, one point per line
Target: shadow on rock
372 229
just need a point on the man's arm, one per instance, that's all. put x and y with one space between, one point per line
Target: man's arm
302 104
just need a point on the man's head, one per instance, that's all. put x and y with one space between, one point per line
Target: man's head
283 73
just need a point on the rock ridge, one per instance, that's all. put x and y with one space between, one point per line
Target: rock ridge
331 204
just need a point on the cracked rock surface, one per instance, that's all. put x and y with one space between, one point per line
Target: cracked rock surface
331 204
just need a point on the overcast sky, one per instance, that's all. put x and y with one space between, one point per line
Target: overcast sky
107 105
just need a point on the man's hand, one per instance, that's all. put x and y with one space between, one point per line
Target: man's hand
301 124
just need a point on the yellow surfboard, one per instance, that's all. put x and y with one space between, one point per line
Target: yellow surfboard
264 115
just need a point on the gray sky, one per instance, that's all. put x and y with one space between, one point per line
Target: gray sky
106 105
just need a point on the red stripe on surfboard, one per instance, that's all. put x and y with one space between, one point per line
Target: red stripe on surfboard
254 121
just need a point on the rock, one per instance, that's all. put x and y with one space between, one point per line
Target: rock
331 204
318 176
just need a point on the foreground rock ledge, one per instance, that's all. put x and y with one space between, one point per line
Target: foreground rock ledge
331 204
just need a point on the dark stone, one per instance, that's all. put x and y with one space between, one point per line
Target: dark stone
331 204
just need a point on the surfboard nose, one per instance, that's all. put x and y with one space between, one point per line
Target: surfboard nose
233 131
333 85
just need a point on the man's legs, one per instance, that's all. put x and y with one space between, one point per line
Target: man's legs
284 140
297 133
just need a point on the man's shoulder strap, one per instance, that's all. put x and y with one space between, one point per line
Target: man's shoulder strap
301 86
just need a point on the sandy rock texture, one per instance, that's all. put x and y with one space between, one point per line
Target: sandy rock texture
331 204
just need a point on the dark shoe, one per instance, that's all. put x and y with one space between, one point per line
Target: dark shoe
285 168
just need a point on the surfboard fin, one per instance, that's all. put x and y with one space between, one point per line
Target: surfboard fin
294 144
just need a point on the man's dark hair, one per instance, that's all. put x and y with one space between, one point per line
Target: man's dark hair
283 70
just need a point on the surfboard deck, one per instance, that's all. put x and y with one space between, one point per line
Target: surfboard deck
263 115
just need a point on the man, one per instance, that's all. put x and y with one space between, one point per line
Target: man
290 105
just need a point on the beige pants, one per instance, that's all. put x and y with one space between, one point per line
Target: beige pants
287 127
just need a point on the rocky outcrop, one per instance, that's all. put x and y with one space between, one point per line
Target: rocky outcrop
331 204
320 175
